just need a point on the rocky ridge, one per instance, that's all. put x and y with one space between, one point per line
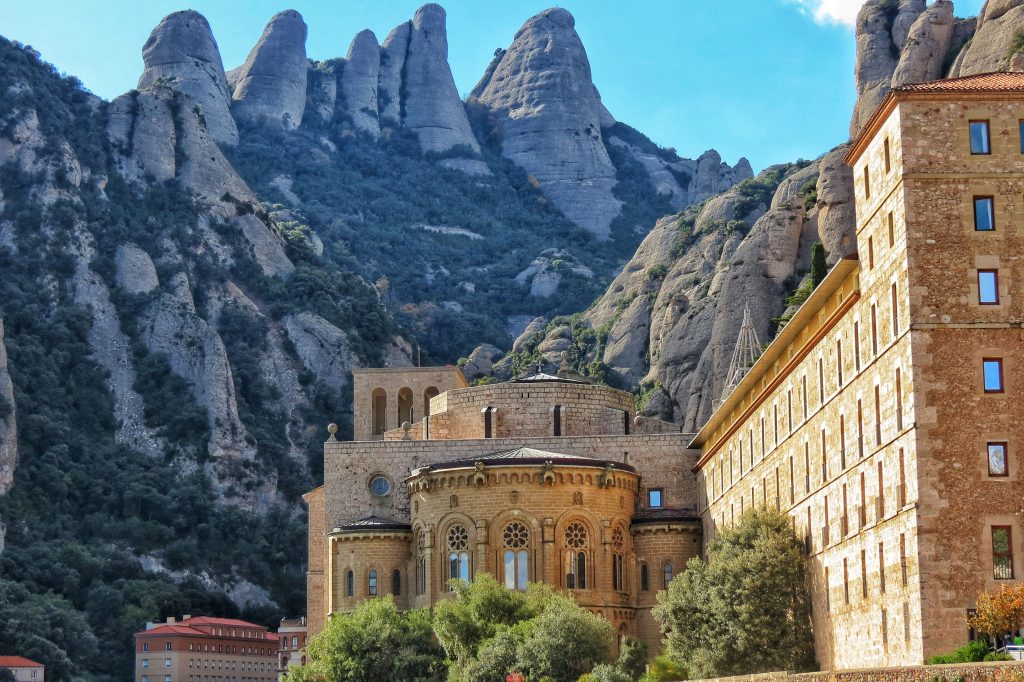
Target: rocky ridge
8 425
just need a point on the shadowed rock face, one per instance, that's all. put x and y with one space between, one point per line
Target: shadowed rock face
550 115
271 85
8 428
182 52
433 108
992 48
358 82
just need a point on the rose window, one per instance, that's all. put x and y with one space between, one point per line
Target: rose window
458 538
576 536
516 535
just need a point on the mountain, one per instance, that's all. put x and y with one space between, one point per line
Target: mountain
192 270
667 324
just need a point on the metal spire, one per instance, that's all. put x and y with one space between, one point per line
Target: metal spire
746 352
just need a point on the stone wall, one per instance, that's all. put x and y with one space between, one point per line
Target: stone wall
422 383
316 595
384 552
1003 671
662 460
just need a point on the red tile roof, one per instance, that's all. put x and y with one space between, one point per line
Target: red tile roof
982 82
185 627
18 662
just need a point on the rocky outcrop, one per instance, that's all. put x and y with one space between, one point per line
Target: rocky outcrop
882 30
8 425
136 273
836 214
358 83
389 82
182 53
550 118
480 362
321 91
270 86
432 106
323 348
995 45
196 354
157 137
927 45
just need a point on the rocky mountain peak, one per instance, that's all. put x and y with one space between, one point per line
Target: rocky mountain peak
540 88
358 82
270 87
182 52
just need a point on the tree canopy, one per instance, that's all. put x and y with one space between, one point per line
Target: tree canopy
744 610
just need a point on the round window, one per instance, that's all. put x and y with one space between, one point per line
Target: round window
380 486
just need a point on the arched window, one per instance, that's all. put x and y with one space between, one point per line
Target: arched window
405 406
396 582
488 422
667 570
427 395
458 555
645 580
378 411
576 543
421 564
371 583
618 546
516 538
350 584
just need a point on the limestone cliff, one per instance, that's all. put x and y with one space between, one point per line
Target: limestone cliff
358 82
270 87
182 52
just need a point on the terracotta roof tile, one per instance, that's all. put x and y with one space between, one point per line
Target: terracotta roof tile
18 662
995 82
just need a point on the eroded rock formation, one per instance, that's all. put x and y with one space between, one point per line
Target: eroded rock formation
270 87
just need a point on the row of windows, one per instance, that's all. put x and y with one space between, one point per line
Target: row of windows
372 587
717 474
882 573
225 665
981 138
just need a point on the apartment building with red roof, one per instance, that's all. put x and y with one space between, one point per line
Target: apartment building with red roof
205 649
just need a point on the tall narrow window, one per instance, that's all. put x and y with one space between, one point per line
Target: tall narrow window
993 373
350 584
988 287
867 182
863 574
803 388
775 424
807 469
845 521
516 539
792 482
1021 131
396 582
1002 553
860 430
901 497
899 401
826 531
618 567
821 381
371 582
906 621
863 520
888 156
880 500
842 442
885 630
789 410
421 564
839 361
762 438
824 458
625 422
808 538
846 582
778 502
557 417
577 542
895 310
871 253
881 567
645 579
878 417
903 558
856 346
997 463
892 230
666 571
980 137
874 330
458 555
984 214
488 422
828 591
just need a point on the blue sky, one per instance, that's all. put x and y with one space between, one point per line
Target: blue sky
771 80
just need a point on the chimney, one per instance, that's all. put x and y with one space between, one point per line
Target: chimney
170 620
150 625
187 616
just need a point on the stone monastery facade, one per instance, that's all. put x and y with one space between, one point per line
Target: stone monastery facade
884 418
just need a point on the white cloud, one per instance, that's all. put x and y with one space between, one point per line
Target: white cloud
831 11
